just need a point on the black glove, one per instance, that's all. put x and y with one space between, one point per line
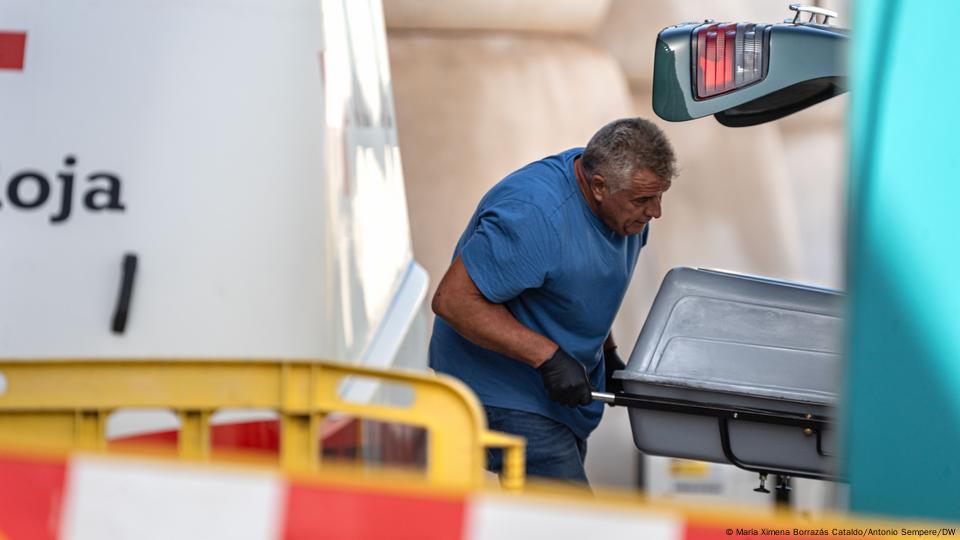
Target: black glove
611 363
565 380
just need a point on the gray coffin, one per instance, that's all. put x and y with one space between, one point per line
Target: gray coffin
738 341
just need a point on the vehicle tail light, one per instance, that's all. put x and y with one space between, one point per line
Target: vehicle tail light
729 56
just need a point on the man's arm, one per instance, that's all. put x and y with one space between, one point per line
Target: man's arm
461 304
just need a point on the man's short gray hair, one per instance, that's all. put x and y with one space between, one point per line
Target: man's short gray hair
625 147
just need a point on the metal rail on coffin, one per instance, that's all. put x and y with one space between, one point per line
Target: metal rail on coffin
65 403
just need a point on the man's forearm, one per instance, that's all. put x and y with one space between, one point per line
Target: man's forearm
486 324
493 327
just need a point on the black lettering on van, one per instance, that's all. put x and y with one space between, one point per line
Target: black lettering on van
111 192
15 195
66 198
30 189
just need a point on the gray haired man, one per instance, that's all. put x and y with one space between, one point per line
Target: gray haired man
526 307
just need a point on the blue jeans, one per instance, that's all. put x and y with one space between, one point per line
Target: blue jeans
553 451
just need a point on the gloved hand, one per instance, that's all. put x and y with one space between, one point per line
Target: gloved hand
611 363
565 380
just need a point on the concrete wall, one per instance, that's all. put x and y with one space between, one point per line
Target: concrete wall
477 98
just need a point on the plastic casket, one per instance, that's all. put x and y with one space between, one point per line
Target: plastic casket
730 368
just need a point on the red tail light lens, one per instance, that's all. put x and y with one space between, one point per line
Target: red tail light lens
729 56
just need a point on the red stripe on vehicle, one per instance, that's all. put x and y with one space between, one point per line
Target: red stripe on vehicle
12 47
31 492
320 513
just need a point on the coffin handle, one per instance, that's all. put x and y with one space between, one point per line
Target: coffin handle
820 451
732 458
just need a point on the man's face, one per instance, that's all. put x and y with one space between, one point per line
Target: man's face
627 211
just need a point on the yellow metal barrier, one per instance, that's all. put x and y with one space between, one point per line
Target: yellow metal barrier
65 403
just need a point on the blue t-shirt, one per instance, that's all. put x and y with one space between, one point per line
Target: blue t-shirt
535 246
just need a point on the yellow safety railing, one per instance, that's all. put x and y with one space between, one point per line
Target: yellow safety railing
66 403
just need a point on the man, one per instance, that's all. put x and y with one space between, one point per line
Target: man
525 309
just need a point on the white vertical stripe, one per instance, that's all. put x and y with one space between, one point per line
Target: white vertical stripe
504 518
120 499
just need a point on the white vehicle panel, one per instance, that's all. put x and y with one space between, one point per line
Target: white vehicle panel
267 214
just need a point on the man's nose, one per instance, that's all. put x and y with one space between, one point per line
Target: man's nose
653 208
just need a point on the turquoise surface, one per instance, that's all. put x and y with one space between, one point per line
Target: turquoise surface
902 410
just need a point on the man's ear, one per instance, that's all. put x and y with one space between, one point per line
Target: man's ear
597 187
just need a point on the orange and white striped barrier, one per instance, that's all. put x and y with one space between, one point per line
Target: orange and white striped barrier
101 497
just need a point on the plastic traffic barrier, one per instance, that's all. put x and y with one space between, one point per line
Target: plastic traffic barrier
103 498
66 403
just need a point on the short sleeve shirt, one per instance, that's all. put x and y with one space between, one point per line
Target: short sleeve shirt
535 246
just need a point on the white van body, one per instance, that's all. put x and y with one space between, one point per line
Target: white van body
244 151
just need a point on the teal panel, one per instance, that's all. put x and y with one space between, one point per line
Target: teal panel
903 375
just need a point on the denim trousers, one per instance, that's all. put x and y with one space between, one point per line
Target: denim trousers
553 451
